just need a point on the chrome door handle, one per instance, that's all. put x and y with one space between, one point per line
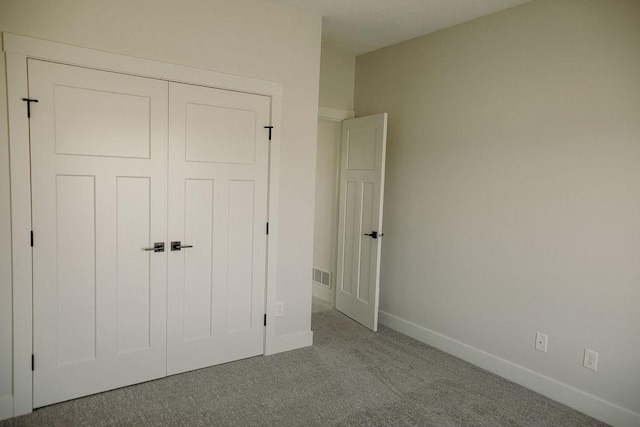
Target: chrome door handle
157 247
176 246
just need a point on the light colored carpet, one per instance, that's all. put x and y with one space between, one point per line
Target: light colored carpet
351 376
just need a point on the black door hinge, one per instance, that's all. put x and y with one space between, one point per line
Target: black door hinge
31 238
29 101
265 319
267 228
266 127
33 362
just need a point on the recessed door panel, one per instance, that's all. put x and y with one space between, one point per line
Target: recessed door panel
76 268
98 120
350 243
241 240
367 246
218 133
361 149
198 278
134 278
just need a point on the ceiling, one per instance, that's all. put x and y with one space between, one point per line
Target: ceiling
360 26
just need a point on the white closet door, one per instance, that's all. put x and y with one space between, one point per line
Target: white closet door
98 146
218 150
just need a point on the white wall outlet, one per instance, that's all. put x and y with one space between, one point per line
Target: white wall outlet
541 342
590 359
279 308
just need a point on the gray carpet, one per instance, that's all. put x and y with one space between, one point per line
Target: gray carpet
351 376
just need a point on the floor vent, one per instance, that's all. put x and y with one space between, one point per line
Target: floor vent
321 277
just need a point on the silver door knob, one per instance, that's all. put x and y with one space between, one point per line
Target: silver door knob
176 246
157 247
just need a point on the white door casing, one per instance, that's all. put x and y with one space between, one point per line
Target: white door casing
98 146
360 219
219 152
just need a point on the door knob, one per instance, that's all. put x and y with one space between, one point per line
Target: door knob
374 234
176 246
157 247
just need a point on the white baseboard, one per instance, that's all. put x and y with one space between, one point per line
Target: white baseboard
6 407
293 341
575 398
323 293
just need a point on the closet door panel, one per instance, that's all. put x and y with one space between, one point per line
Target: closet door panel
218 207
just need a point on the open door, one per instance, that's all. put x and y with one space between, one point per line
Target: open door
364 142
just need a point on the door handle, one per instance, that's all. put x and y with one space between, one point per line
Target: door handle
176 246
374 234
157 247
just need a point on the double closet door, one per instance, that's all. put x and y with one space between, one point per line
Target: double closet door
122 165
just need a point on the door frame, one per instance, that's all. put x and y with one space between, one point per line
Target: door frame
337 116
20 48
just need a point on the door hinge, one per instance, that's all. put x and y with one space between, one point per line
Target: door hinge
29 101
265 319
267 228
33 362
31 238
266 127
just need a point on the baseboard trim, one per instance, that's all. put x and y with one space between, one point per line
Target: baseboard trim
6 407
577 399
323 293
292 341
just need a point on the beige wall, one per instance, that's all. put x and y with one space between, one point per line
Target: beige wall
337 78
513 186
253 38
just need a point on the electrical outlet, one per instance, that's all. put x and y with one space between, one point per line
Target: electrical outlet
280 308
590 359
541 342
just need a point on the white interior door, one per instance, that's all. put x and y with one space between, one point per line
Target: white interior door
360 220
218 150
98 147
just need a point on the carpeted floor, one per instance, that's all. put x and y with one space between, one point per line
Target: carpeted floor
350 376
